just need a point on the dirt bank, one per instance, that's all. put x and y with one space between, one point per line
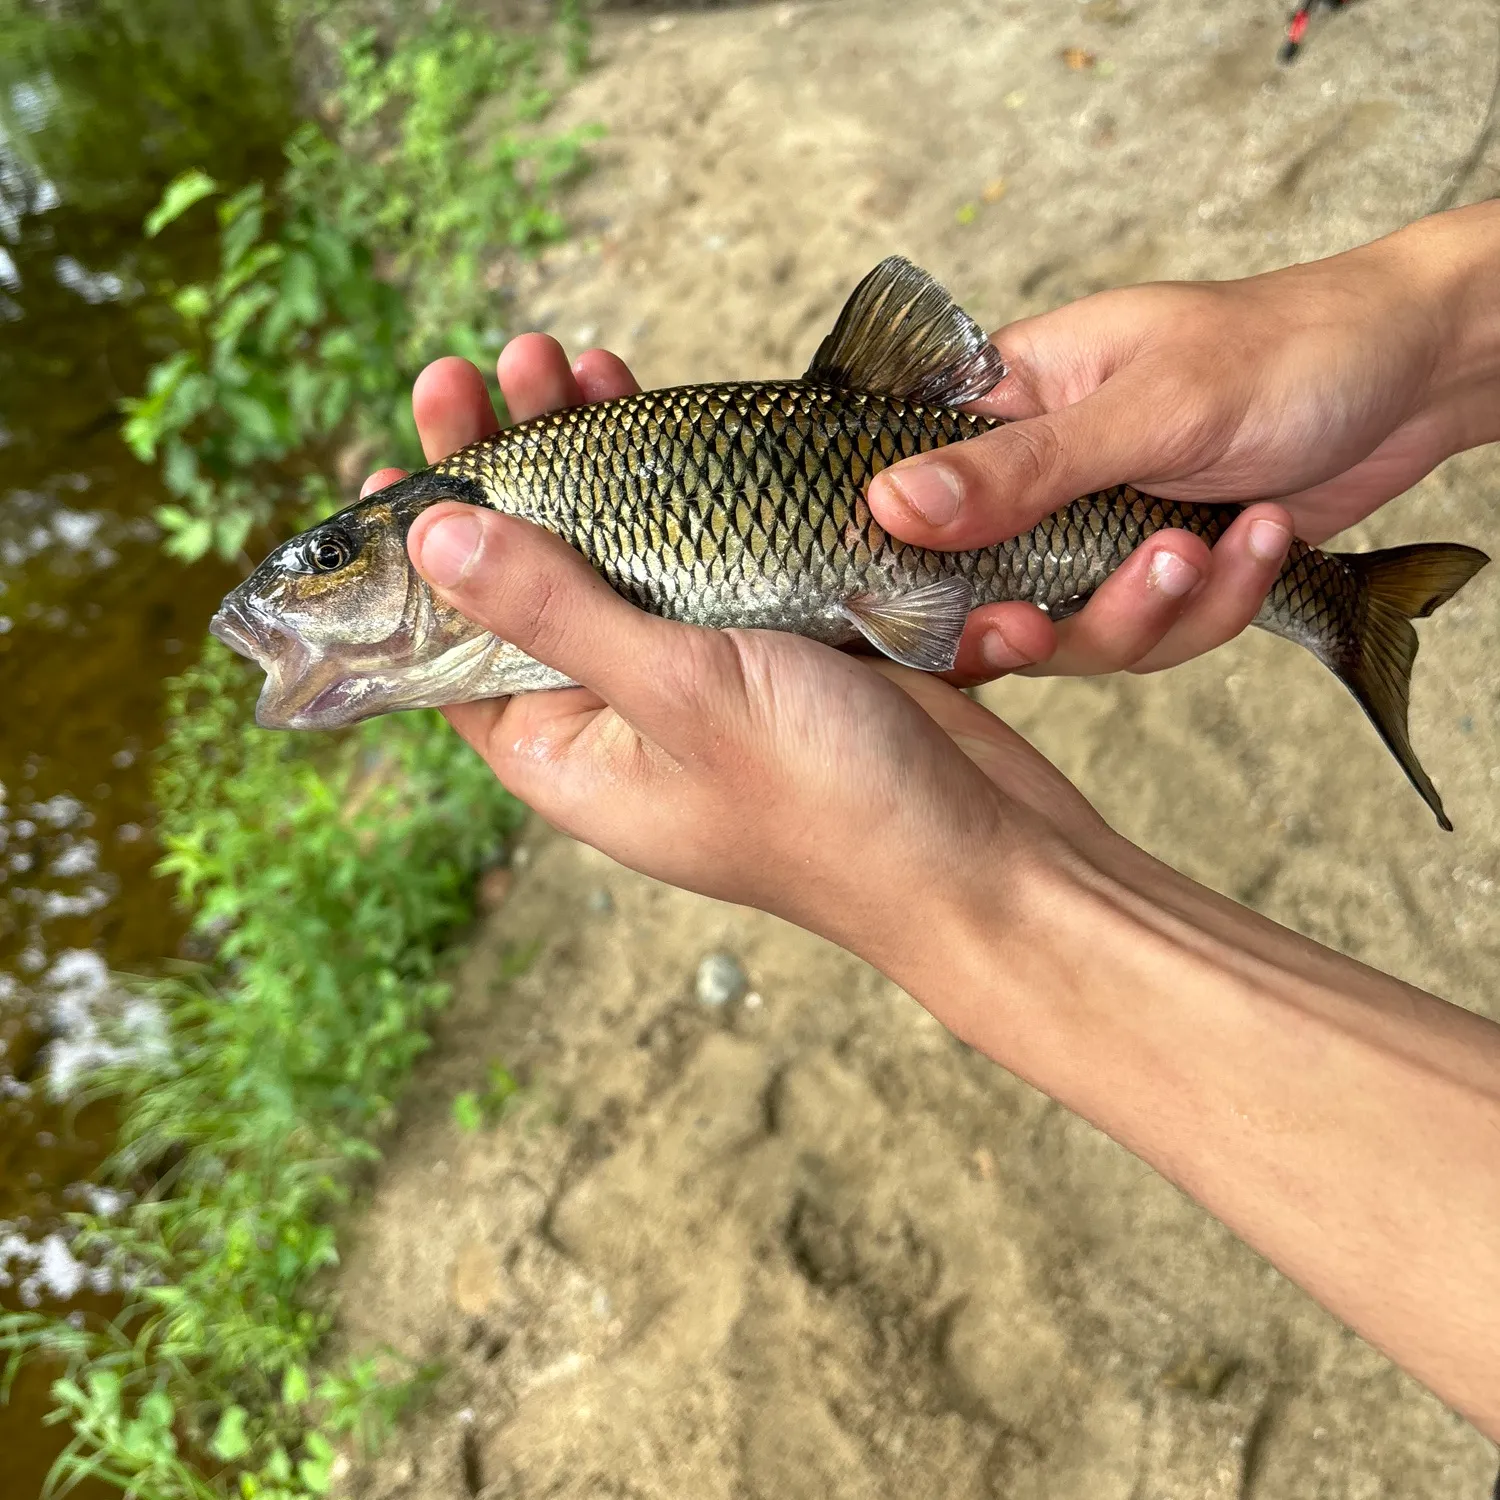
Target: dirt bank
804 1244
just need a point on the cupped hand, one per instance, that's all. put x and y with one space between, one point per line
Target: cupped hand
753 766
1310 385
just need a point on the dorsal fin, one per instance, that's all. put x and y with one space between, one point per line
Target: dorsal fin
901 334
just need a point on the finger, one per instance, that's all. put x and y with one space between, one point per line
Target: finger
451 406
550 749
530 588
1001 483
1245 563
1046 366
379 479
1001 638
1133 608
535 378
603 376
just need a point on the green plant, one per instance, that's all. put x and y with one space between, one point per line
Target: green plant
435 166
294 334
324 872
329 870
471 1109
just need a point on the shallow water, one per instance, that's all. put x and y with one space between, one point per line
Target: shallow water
93 617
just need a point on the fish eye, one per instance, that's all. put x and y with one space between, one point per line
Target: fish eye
328 553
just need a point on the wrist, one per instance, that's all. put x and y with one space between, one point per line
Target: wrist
1008 940
1447 267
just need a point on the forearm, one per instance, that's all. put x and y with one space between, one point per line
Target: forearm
1343 1124
1449 264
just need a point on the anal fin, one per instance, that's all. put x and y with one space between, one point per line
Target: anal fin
920 628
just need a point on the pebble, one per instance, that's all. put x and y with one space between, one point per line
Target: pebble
601 902
494 887
721 979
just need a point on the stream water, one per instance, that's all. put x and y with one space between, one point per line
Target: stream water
93 617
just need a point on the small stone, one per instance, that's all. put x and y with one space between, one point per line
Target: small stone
721 980
753 1000
520 858
984 1163
601 902
494 887
994 190
1078 60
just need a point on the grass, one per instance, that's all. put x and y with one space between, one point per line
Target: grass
325 873
330 870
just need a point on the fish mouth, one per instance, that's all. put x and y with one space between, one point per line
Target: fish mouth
248 633
292 675
333 693
333 686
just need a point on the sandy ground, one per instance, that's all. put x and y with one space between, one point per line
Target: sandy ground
804 1244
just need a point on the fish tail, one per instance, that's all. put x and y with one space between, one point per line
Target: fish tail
1372 648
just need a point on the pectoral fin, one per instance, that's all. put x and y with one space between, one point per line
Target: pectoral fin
921 628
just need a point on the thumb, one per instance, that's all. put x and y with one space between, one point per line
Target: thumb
528 587
1002 482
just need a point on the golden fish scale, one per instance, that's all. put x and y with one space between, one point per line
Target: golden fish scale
694 500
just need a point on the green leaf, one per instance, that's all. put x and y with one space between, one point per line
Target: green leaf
242 217
316 1471
467 1113
179 470
503 1087
184 190
231 531
249 266
157 1409
295 1386
192 302
187 537
230 1440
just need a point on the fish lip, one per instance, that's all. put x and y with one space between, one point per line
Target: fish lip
315 712
236 627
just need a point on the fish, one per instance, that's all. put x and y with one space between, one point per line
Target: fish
742 505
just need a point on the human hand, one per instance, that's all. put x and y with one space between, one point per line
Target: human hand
753 766
1316 384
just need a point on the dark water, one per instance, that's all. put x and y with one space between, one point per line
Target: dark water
92 616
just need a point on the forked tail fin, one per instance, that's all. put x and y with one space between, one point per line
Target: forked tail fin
1399 585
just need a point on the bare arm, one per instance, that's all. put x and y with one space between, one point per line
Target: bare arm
1345 1125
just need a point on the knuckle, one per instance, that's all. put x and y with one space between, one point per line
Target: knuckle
538 610
1029 455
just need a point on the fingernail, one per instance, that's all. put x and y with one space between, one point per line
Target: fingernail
997 653
448 548
930 491
1171 575
1269 540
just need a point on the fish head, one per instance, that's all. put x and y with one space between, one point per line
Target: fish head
341 623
